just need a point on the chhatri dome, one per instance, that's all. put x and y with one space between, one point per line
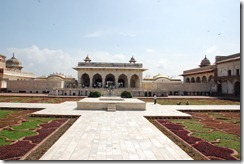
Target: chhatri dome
132 60
87 59
205 62
14 63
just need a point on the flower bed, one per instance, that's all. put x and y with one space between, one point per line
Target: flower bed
46 130
21 147
20 133
214 141
204 147
16 150
214 152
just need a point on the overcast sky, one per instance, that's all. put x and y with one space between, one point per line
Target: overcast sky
167 36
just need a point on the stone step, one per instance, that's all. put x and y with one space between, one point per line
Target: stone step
111 107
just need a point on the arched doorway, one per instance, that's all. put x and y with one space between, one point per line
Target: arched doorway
210 78
219 88
122 81
97 81
109 80
187 80
134 81
198 80
237 88
85 80
204 79
192 80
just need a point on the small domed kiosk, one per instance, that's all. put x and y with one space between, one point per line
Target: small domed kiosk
14 63
204 62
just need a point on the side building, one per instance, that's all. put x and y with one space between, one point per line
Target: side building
228 74
12 70
13 79
221 78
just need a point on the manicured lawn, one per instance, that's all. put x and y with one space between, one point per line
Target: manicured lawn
192 101
16 99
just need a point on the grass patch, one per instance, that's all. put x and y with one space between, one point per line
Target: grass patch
3 142
32 123
219 116
213 136
15 135
5 113
192 125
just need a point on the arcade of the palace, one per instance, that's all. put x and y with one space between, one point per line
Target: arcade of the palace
220 78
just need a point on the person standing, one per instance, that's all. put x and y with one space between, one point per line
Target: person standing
155 99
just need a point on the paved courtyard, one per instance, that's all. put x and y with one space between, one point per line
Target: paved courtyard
120 135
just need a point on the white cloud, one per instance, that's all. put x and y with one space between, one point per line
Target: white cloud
45 61
132 35
150 50
210 50
102 56
95 34
161 63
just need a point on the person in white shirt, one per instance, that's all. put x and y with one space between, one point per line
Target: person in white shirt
155 99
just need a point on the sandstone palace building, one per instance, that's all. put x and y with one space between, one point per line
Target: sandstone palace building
219 78
117 75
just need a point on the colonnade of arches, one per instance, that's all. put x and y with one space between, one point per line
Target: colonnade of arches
99 81
198 79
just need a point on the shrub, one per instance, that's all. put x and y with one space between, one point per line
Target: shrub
126 94
94 94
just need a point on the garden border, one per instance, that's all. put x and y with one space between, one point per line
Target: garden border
196 155
52 138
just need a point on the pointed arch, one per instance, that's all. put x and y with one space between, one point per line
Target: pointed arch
210 78
204 79
97 80
110 80
122 81
198 80
85 80
134 81
187 80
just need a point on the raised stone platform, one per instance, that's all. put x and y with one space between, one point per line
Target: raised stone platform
111 104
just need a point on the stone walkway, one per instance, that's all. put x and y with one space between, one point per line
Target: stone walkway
120 135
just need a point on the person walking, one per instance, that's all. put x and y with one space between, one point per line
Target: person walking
155 99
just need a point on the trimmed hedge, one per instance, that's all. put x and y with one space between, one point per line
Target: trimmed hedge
126 94
94 94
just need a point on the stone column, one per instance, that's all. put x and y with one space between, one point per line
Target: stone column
116 80
103 80
91 77
129 77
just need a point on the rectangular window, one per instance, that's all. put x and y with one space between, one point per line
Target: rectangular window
229 72
237 72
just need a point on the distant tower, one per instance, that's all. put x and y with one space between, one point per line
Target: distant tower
132 60
87 59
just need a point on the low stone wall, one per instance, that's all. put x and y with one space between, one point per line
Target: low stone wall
97 104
